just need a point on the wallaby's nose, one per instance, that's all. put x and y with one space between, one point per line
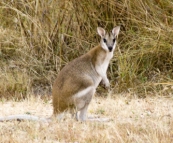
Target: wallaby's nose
110 49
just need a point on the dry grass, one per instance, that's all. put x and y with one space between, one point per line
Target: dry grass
134 120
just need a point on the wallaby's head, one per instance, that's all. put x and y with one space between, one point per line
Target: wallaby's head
108 40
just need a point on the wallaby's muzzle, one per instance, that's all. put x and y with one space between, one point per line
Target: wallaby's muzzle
110 49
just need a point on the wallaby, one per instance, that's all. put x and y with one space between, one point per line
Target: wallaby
76 83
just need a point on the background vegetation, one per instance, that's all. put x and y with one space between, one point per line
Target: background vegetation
37 38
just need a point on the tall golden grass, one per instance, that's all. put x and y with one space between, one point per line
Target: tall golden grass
37 38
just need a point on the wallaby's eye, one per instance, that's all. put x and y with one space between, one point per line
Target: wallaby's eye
104 40
114 40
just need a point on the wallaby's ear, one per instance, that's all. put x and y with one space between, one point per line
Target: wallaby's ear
101 31
116 30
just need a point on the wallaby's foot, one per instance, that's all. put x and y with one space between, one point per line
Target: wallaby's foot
93 116
99 119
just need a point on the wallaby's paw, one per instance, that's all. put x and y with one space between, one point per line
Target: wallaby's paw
106 84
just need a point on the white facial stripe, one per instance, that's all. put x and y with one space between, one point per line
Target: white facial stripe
83 92
104 46
109 42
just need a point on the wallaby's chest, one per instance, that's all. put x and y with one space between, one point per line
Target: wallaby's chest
102 64
105 63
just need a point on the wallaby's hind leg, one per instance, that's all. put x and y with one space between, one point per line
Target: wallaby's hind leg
82 100
82 103
83 113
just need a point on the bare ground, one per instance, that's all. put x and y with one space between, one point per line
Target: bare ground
134 120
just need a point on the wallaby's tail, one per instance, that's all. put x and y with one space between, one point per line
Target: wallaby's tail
23 117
